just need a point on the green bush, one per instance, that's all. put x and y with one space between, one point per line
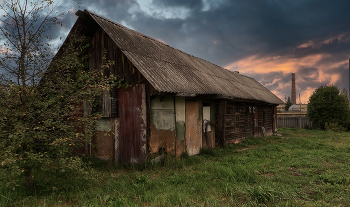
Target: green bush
328 105
333 126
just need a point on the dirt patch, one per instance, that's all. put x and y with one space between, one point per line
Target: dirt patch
240 150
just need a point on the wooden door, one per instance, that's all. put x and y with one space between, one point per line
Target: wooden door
193 128
132 142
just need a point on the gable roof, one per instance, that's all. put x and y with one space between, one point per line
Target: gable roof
170 70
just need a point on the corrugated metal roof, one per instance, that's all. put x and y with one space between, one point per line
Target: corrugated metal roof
171 70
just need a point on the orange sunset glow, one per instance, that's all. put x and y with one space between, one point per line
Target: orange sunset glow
253 65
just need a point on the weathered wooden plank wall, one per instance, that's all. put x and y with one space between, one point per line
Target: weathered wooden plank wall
103 50
263 114
299 122
220 114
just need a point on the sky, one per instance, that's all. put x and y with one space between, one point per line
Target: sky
264 39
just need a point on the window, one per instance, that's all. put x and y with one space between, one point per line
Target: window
206 118
236 121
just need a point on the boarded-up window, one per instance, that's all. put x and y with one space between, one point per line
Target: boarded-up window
107 104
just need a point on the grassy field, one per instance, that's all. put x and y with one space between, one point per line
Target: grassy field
301 168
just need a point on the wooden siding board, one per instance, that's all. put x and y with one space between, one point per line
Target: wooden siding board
246 123
180 110
221 118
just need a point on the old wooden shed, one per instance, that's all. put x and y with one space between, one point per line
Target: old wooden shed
171 97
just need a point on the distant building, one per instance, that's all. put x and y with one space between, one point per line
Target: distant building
293 108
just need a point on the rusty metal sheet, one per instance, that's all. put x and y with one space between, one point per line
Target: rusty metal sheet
103 139
161 140
132 140
103 147
193 128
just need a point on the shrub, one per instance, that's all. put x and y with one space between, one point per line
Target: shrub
328 105
333 126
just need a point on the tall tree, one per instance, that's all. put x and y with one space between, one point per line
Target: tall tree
41 118
328 105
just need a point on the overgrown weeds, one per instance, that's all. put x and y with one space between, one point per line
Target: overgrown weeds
301 168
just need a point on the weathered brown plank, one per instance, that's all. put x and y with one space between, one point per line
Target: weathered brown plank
193 129
133 124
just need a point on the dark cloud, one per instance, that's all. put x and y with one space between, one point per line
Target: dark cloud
225 31
193 4
308 74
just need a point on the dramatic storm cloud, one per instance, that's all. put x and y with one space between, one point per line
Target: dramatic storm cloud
264 39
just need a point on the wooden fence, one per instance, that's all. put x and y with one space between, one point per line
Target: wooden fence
299 122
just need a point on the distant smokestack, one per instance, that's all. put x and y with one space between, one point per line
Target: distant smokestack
294 100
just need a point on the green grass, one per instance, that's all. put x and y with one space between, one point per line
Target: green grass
301 168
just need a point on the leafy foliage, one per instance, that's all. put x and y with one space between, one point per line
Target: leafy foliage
345 93
288 104
42 120
327 105
329 126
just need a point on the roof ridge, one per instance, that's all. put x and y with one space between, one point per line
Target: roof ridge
123 27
